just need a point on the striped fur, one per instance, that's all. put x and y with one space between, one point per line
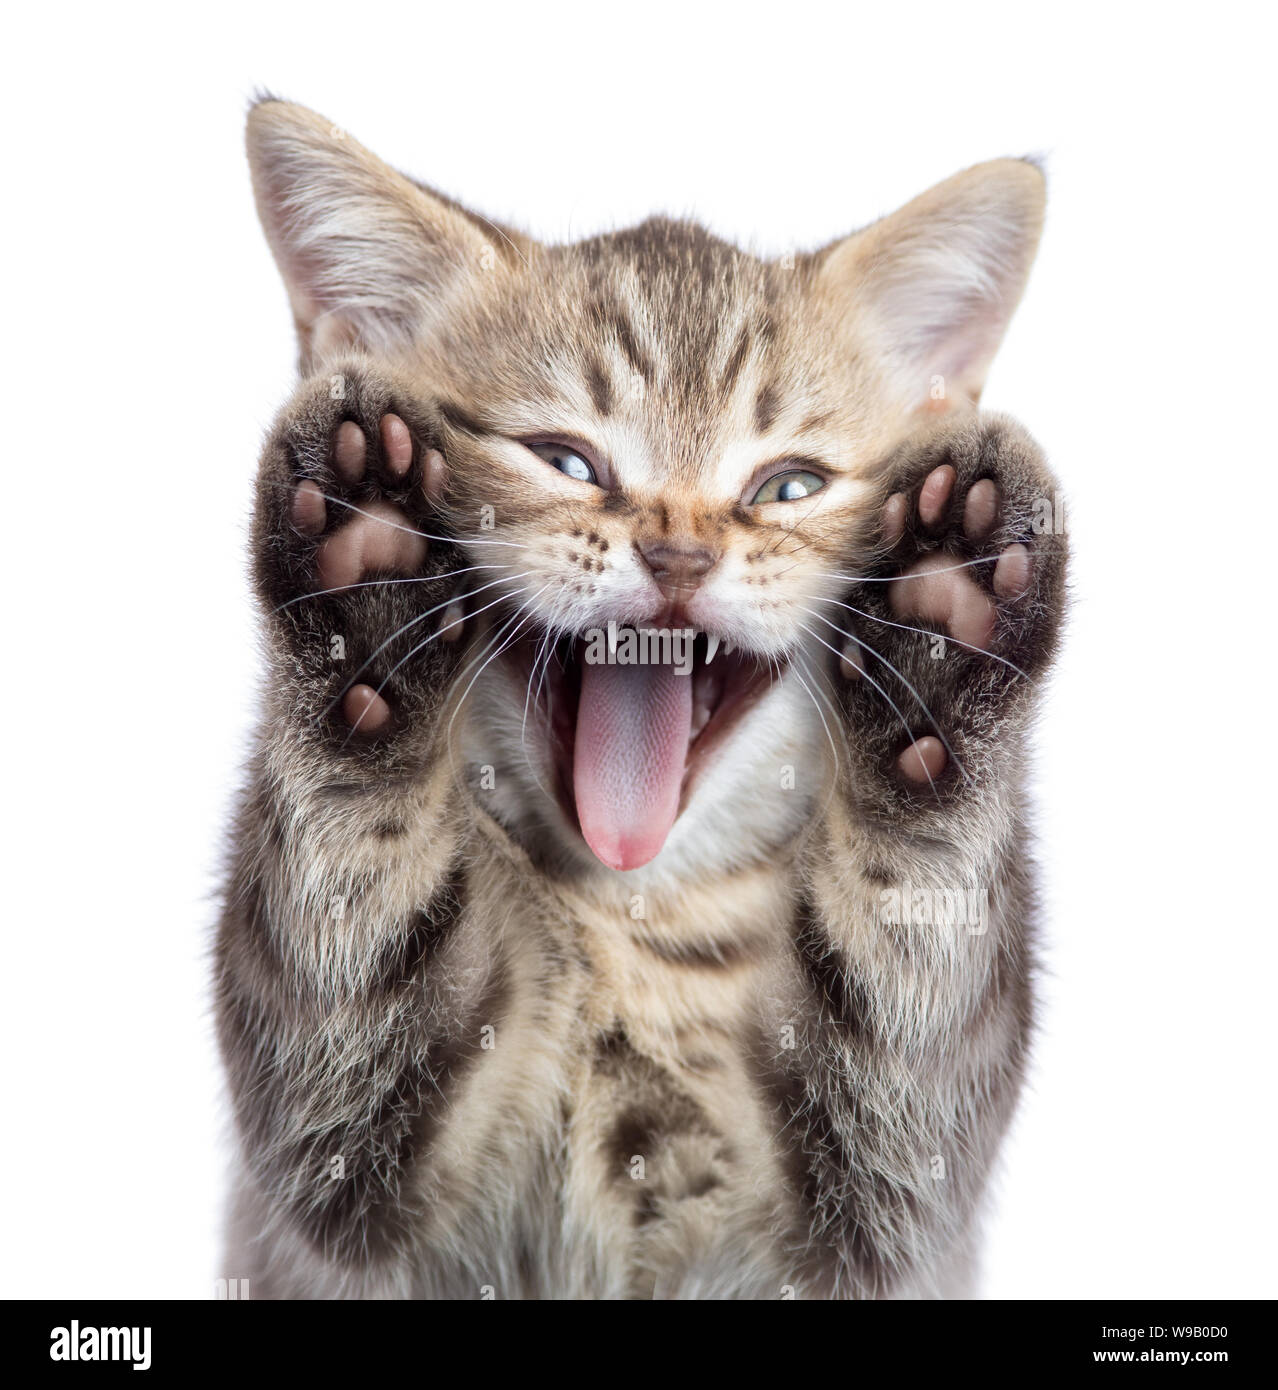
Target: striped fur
466 1060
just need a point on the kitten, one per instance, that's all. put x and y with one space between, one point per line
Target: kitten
547 974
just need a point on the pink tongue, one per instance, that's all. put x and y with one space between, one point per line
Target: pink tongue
633 724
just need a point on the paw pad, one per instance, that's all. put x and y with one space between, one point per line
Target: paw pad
923 761
373 536
941 587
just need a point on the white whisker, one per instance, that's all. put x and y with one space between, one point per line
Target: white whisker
894 578
900 675
895 710
413 531
374 583
412 622
927 632
400 526
421 646
505 645
820 716
541 659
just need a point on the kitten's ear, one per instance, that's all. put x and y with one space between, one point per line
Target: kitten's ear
369 257
930 289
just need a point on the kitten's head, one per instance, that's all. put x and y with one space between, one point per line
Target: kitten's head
653 429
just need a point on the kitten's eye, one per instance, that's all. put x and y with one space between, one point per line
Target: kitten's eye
567 460
788 487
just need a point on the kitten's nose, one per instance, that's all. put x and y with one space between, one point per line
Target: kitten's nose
678 569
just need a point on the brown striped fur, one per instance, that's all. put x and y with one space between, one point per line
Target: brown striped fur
466 1059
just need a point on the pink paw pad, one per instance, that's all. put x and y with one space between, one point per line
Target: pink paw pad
368 537
397 445
923 761
937 591
377 539
942 587
365 710
980 511
1013 572
309 511
350 454
934 498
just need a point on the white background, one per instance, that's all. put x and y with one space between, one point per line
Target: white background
147 344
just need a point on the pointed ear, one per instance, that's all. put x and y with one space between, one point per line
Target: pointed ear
369 258
931 288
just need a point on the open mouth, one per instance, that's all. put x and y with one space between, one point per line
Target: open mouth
629 739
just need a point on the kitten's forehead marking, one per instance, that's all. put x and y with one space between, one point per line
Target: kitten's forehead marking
687 363
708 434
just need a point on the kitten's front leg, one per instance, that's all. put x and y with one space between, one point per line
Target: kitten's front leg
913 936
957 617
348 991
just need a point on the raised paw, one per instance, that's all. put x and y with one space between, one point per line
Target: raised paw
957 605
350 555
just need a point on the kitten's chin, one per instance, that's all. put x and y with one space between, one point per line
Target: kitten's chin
629 742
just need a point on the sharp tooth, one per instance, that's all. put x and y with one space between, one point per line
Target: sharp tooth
712 646
729 647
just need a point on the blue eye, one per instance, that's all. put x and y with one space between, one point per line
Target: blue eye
567 460
788 487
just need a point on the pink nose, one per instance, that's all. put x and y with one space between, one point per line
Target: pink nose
678 569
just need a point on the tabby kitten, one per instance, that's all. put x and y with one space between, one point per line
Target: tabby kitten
546 973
